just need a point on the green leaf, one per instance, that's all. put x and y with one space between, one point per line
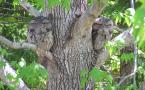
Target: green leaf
143 3
109 78
11 87
129 13
1 1
127 56
99 76
15 2
40 3
128 21
2 64
118 18
65 4
84 73
113 47
96 75
84 78
10 77
53 3
3 52
141 37
1 85
90 2
83 82
38 75
139 26
139 16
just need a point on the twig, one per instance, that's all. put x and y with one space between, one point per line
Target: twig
127 76
135 62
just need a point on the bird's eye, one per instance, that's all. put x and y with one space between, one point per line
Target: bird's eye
32 21
31 30
108 24
47 29
45 21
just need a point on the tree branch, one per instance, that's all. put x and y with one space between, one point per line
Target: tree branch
8 70
127 76
87 19
125 37
29 8
16 45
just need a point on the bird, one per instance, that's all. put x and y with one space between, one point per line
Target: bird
40 34
101 32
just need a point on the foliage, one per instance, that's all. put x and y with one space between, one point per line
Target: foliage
139 26
34 75
51 3
96 75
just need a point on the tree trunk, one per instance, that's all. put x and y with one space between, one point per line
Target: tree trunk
71 52
72 48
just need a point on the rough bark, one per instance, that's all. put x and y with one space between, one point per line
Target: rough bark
71 53
72 49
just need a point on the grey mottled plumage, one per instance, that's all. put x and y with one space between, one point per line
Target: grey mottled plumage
101 32
40 33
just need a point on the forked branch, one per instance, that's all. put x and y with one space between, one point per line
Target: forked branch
87 19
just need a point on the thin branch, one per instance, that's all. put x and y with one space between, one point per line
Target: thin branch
125 37
16 45
8 70
127 76
29 8
135 63
87 19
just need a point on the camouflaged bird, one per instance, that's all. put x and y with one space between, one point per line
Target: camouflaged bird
40 34
101 32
